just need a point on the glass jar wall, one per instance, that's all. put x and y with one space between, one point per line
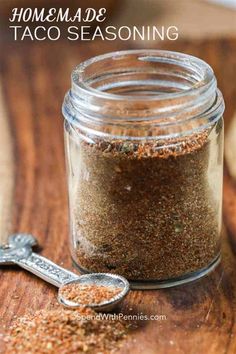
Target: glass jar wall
144 144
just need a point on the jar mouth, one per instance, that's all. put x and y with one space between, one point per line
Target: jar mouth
143 92
201 73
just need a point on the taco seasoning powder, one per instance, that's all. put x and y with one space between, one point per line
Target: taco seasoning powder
89 294
66 332
143 135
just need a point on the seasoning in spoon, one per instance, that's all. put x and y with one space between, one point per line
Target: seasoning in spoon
88 294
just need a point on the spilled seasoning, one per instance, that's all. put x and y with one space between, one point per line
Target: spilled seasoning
66 332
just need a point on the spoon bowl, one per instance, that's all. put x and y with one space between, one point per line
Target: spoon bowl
98 279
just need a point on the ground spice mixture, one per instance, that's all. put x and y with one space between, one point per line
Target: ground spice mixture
146 210
85 294
65 332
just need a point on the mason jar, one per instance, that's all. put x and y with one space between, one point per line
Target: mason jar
144 150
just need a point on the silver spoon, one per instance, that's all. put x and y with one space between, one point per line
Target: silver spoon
19 251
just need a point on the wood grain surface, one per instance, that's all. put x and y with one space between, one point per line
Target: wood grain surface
200 317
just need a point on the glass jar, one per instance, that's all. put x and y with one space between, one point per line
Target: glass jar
144 145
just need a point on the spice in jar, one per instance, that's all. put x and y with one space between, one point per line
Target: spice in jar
146 210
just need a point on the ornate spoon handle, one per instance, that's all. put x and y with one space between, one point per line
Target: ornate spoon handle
46 269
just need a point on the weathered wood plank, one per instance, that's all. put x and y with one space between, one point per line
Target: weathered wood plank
7 172
200 317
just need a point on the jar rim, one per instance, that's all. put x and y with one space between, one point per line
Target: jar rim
192 97
153 55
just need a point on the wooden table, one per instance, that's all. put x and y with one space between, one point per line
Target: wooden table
200 316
